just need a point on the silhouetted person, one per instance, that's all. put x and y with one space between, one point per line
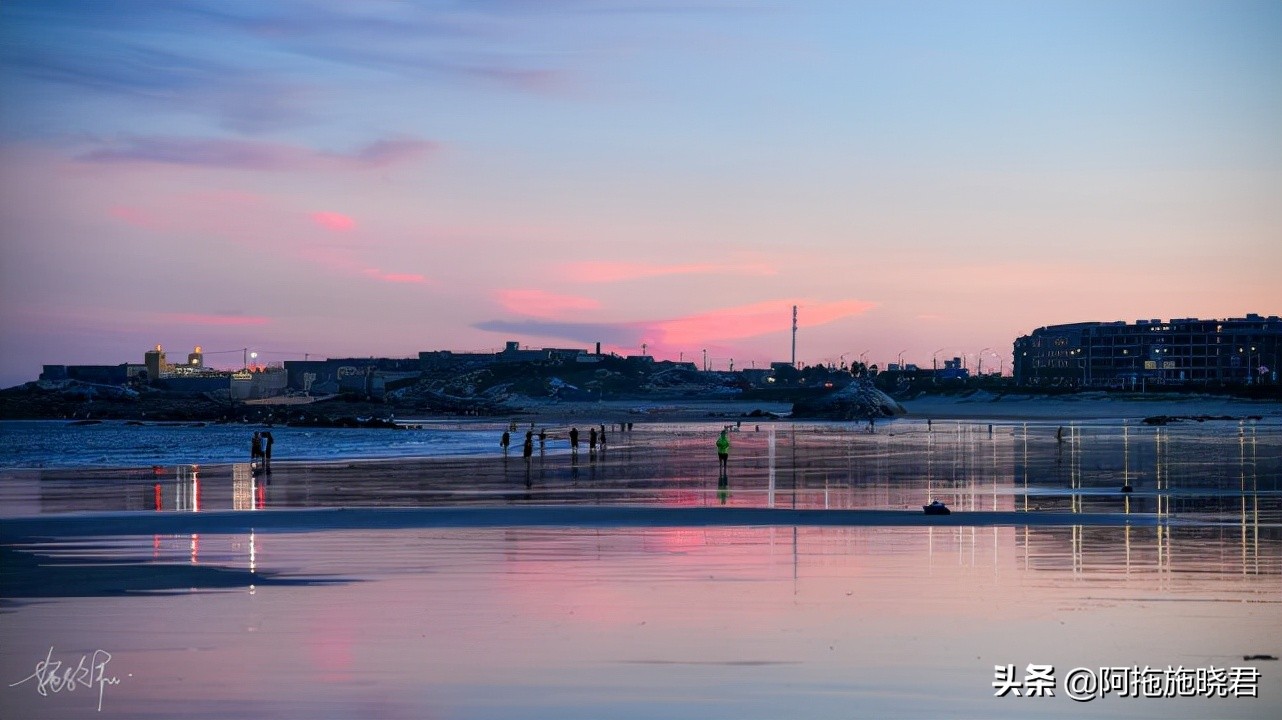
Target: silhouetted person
602 437
267 451
723 452
256 452
574 440
592 441
528 448
543 438
505 441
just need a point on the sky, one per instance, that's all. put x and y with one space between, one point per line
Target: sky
922 180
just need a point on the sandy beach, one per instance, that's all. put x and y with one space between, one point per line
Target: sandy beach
637 582
975 405
1087 406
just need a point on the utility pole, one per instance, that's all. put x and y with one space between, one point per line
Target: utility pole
794 336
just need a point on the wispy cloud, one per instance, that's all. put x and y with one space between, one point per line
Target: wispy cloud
337 222
135 217
410 278
255 155
747 321
239 99
615 334
213 319
543 304
592 271
699 330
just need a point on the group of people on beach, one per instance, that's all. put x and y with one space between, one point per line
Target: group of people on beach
595 437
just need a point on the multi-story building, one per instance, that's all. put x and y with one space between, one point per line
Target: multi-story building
1185 351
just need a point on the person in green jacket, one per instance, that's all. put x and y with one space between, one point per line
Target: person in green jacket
723 451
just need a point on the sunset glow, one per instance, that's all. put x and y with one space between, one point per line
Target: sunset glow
379 180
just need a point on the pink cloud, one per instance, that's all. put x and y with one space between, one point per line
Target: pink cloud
607 272
216 320
534 80
337 222
135 217
539 303
395 277
751 320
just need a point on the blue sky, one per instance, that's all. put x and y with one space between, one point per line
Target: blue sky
380 178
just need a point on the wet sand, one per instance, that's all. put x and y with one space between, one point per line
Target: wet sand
1086 406
640 584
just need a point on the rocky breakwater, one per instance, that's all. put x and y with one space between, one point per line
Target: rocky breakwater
857 401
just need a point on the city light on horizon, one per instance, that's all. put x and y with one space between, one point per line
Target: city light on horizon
385 180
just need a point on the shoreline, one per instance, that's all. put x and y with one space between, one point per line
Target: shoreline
1087 406
22 529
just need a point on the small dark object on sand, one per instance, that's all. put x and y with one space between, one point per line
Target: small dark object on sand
936 508
1259 657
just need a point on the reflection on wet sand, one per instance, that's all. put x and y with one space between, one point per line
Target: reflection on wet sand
744 622
642 582
1212 472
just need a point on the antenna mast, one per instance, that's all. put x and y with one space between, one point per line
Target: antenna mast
794 336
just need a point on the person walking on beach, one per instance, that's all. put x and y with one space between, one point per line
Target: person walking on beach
528 450
602 437
256 452
574 441
505 441
592 442
723 451
268 440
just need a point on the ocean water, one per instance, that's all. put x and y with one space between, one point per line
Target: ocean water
264 612
120 444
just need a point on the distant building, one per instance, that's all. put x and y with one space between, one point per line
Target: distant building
1185 351
438 360
99 374
365 376
953 369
